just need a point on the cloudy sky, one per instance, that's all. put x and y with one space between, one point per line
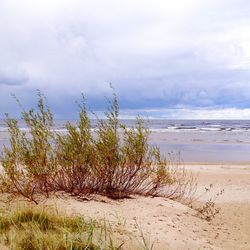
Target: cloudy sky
172 59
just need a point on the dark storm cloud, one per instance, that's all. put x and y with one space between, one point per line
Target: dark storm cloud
157 54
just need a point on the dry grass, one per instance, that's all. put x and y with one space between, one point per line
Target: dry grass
35 227
39 228
208 210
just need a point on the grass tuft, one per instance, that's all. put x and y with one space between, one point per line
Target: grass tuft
36 228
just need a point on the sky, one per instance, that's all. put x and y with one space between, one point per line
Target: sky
164 58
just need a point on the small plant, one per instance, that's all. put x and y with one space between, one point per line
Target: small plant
209 210
144 241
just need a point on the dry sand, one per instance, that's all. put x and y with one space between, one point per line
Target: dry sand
171 225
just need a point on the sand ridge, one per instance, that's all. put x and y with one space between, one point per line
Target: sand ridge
171 225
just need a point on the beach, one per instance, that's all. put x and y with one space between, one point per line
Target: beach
220 161
171 225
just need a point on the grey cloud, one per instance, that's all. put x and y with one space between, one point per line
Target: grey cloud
156 53
13 78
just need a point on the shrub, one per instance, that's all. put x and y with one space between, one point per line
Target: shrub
115 161
76 157
29 162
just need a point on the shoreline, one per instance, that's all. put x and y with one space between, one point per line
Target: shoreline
208 148
234 164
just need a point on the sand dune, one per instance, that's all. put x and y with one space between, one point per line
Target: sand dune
171 225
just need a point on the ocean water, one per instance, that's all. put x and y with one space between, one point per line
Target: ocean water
198 141
164 125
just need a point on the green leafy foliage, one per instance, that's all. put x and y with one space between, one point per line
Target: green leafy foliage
29 161
114 160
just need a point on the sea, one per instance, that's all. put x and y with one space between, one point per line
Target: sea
192 141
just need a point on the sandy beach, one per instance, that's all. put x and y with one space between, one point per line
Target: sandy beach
168 224
172 225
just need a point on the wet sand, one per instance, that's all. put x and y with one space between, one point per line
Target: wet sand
211 147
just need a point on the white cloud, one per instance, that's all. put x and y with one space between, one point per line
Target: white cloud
199 114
